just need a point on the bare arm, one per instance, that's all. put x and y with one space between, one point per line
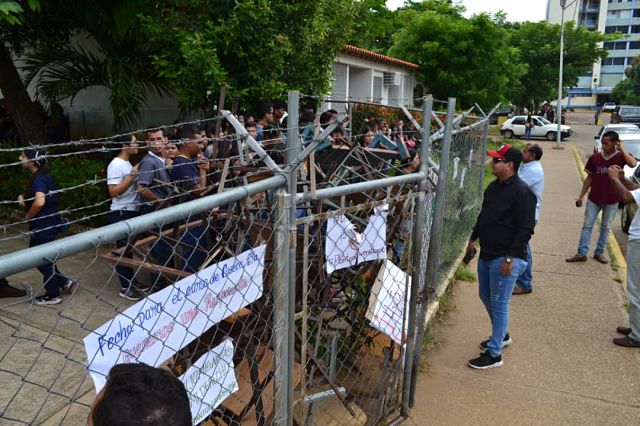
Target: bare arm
628 158
585 187
146 193
36 206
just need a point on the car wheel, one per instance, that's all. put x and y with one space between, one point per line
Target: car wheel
625 219
508 134
551 136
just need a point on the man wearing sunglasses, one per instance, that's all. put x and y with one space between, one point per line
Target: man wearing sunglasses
504 226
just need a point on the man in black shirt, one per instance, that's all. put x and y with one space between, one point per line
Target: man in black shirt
504 227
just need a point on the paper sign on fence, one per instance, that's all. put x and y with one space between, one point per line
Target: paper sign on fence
345 247
388 302
157 327
210 380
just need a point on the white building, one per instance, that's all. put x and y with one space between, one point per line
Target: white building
366 76
607 16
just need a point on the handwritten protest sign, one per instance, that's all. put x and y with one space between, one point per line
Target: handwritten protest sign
345 247
210 380
157 327
387 309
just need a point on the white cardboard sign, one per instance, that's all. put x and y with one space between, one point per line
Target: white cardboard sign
157 327
210 380
388 302
345 247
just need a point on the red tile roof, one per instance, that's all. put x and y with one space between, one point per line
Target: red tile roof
377 57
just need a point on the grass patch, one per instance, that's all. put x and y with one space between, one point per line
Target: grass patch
464 273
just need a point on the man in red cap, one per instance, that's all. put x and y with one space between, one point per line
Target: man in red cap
504 227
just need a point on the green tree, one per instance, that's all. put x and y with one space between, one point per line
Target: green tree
539 46
466 58
120 61
258 48
22 24
374 26
627 91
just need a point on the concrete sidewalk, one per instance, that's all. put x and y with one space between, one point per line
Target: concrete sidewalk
562 367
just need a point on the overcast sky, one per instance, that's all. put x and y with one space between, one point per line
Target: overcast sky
517 10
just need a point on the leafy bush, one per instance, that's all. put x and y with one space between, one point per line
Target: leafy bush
68 172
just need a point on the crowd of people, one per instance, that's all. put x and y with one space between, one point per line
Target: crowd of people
178 167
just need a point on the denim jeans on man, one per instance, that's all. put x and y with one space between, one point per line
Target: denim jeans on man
527 133
633 287
591 213
495 292
125 273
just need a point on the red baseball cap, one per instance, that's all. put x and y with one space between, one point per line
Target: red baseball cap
506 152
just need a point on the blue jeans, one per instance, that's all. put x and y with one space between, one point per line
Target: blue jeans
527 133
525 280
192 251
52 278
162 252
495 292
590 214
633 287
125 274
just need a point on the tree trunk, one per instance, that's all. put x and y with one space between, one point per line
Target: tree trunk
19 105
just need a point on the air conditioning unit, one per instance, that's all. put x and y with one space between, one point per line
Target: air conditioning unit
392 78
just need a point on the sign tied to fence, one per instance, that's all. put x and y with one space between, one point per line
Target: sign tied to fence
387 310
345 247
155 328
210 380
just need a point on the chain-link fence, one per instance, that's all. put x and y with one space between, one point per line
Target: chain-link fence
288 289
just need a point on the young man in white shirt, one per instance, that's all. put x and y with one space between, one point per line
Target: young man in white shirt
125 204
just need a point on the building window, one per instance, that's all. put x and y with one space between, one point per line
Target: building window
635 29
636 13
634 45
607 61
624 29
618 61
629 60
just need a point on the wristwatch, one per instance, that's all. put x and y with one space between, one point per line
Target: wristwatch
508 259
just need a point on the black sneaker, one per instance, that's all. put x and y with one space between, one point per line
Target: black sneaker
131 294
47 300
485 361
505 342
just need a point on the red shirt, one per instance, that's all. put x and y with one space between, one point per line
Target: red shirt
601 190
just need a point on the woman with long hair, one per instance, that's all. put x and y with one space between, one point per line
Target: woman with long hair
41 206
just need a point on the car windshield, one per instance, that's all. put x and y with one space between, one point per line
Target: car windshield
629 110
630 129
633 147
544 120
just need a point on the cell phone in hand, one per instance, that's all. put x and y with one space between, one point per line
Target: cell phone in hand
578 203
470 255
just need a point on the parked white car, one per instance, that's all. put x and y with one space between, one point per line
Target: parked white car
542 128
608 106
618 128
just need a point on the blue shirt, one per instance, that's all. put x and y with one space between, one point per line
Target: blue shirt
533 175
185 174
43 182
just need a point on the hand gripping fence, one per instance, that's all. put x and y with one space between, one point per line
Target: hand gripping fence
292 292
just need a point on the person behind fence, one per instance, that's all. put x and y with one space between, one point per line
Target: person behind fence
504 226
532 174
140 395
189 175
602 197
155 192
629 193
125 204
41 206
265 117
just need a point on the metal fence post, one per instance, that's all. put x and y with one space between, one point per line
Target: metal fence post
281 323
433 260
294 147
418 228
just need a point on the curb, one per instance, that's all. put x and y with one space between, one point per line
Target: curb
621 271
433 305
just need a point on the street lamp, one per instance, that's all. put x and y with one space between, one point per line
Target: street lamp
563 6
